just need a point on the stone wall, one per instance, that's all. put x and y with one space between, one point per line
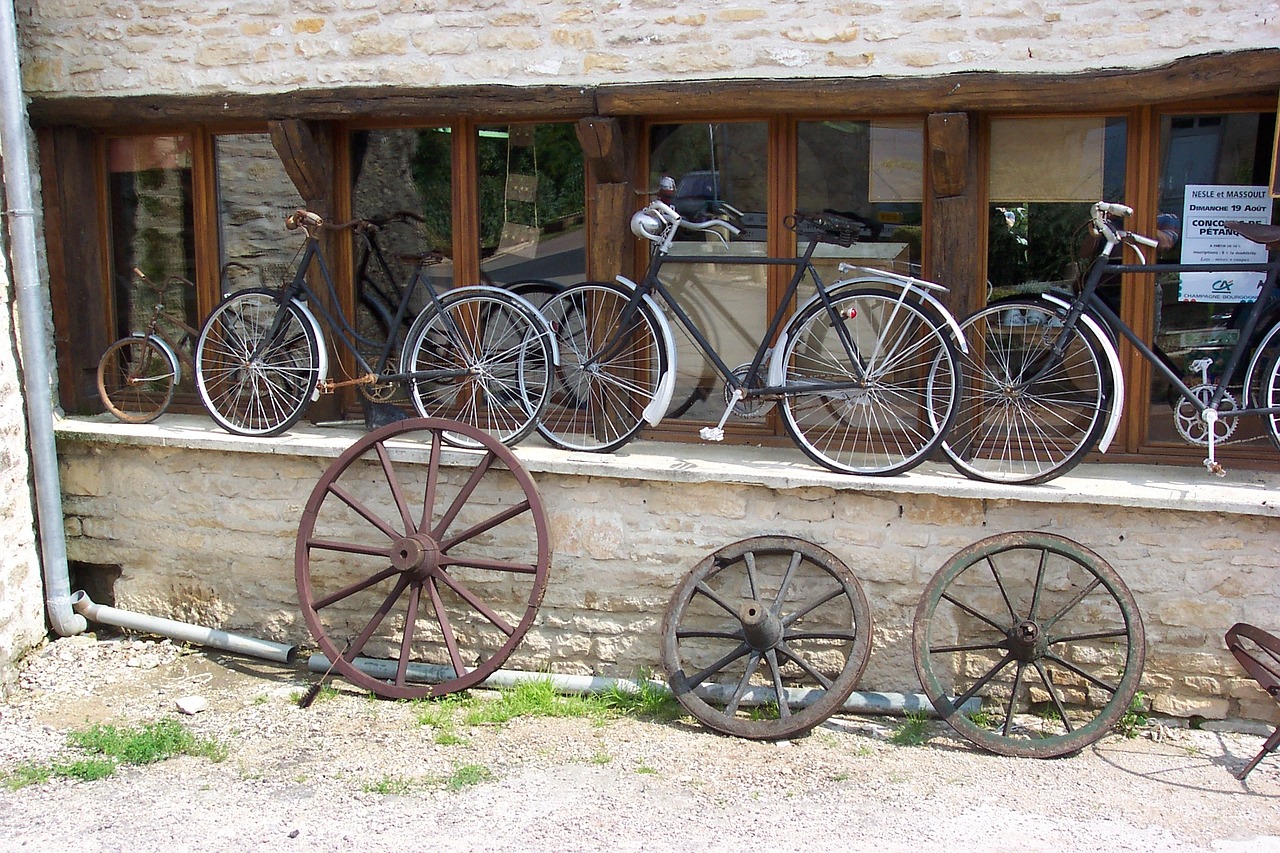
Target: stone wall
84 48
21 593
208 536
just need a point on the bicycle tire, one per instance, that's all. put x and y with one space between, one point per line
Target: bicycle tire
261 396
1005 433
903 407
136 378
493 357
597 404
1271 398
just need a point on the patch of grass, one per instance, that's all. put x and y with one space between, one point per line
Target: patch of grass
913 732
448 737
109 746
1134 717
765 711
983 718
27 774
387 785
261 699
467 775
1046 711
537 698
145 744
601 758
645 769
648 700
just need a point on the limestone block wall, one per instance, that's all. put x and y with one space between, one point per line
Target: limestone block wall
21 592
207 536
84 48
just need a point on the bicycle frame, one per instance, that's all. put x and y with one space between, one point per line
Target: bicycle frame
1089 304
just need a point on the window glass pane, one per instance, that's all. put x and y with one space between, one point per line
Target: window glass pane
532 192
714 171
1210 153
871 172
254 195
150 210
403 178
1040 204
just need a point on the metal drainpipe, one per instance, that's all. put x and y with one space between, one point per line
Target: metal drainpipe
32 317
859 702
187 633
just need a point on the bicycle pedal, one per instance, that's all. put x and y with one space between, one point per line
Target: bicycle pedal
1215 468
711 434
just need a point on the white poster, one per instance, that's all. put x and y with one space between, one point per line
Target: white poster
1206 240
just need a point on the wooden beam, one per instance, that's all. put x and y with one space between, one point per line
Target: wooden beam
1205 76
956 219
302 149
603 144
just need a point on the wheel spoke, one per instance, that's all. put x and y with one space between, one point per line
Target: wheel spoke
347 592
406 642
393 483
1054 695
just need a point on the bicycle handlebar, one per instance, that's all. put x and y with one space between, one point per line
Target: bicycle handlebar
309 221
1101 211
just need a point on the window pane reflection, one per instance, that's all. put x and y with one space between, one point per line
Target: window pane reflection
532 192
150 207
873 173
254 195
714 171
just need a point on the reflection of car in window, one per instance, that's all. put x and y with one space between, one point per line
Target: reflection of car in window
695 192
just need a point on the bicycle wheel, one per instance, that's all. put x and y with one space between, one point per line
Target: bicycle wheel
1040 628
608 373
1028 415
773 622
1271 399
886 414
136 377
482 359
254 382
419 564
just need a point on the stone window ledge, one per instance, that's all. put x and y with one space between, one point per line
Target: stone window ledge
1241 492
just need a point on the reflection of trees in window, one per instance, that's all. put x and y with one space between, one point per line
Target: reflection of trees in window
150 198
530 175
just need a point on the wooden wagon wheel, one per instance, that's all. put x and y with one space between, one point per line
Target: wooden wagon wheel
438 568
1043 630
774 623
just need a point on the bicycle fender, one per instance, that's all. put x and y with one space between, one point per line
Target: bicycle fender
322 359
657 408
920 293
529 307
174 364
1113 361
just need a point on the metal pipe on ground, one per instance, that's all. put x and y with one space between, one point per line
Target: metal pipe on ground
857 703
186 632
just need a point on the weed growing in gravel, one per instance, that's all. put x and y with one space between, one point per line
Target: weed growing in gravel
387 785
108 747
1134 717
537 698
983 718
648 700
466 776
645 769
601 758
913 732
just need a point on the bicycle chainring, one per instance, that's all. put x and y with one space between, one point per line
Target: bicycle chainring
1193 428
380 392
749 409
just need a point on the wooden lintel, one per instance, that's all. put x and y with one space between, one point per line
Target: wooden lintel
1199 77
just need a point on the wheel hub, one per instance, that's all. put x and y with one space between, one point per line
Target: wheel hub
416 555
1025 641
761 629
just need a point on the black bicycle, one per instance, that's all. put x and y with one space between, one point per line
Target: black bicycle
1044 381
480 355
864 369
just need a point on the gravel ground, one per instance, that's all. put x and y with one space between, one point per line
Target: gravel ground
352 773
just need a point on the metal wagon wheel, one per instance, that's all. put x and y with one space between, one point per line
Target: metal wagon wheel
1043 630
766 638
438 568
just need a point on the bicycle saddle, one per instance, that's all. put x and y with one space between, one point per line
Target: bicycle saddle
1267 235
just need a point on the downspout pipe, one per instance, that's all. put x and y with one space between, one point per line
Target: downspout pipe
195 634
36 346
